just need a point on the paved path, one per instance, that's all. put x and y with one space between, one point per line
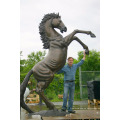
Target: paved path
61 103
83 111
75 102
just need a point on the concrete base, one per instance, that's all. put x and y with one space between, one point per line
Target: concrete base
80 114
47 113
25 116
34 117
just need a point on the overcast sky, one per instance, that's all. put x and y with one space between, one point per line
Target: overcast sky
75 14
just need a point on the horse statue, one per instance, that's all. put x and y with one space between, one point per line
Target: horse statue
44 70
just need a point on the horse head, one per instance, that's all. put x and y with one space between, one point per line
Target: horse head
57 23
46 28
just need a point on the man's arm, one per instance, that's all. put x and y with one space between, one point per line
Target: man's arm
84 55
61 71
82 61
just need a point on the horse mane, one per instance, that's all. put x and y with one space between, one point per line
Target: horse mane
44 38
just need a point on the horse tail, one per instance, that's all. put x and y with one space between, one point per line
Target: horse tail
22 91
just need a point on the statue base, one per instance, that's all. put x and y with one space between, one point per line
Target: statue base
52 113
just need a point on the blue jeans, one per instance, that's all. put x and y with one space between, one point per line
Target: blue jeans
68 87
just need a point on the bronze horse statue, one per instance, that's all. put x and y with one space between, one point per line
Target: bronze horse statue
44 70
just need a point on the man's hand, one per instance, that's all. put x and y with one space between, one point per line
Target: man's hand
84 55
87 51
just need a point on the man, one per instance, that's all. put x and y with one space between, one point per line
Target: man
69 71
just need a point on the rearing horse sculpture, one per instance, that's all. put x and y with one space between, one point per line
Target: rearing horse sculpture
44 70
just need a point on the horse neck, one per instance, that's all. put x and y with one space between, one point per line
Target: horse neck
50 31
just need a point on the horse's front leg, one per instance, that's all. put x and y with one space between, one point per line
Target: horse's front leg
83 45
69 38
85 32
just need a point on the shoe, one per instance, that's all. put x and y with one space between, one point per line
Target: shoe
63 110
72 111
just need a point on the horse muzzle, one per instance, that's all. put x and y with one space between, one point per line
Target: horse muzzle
63 29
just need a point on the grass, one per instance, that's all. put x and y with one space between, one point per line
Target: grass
54 98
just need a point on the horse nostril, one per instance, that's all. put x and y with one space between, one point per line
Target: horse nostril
65 29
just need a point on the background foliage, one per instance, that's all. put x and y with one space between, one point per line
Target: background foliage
92 63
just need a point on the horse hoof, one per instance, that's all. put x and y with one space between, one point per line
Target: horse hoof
92 35
87 52
55 109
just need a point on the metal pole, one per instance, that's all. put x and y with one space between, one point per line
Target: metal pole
80 82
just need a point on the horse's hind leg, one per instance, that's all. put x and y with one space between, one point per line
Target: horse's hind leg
49 104
40 90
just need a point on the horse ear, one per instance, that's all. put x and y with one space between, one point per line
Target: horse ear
59 15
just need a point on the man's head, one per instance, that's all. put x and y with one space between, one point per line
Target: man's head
70 61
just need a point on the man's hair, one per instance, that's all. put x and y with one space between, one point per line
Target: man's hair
70 58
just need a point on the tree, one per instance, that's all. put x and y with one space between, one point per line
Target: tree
92 61
33 59
27 65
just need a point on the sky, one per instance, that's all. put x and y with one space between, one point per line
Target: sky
75 14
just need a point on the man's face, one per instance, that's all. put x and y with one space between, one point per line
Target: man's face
70 62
